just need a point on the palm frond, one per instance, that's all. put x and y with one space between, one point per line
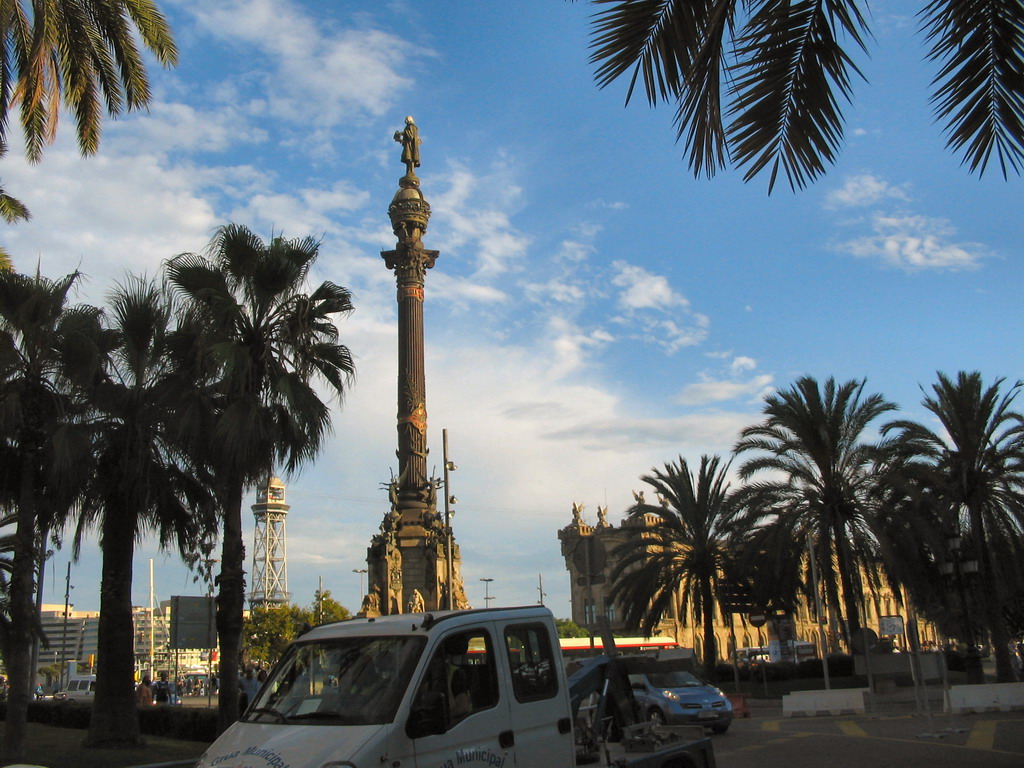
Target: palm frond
978 89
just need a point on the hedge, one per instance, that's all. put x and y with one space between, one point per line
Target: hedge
184 723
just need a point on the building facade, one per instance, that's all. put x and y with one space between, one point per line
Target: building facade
589 553
74 638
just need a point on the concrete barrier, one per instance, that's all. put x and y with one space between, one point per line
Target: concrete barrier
991 697
834 702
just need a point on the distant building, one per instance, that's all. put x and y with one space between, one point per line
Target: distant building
589 557
77 639
67 640
588 550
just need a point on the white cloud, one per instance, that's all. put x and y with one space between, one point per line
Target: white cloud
570 346
863 190
106 214
650 305
742 363
644 290
557 290
709 390
305 211
168 126
310 69
914 243
444 286
474 214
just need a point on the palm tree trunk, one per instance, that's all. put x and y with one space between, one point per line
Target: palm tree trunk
992 600
230 605
708 611
851 589
22 608
115 716
835 611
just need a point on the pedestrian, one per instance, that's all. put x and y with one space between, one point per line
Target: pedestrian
143 693
248 687
163 690
252 683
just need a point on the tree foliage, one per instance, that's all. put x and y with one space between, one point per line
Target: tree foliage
760 83
48 359
820 482
971 474
669 564
145 481
82 53
264 343
569 628
270 628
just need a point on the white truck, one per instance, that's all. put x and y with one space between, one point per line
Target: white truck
477 688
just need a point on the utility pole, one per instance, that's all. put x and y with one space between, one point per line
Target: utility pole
64 636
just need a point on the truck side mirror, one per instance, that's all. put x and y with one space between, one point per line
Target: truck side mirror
429 716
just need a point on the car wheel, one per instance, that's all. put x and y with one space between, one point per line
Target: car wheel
656 716
719 728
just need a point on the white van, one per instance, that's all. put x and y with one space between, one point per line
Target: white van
78 689
477 688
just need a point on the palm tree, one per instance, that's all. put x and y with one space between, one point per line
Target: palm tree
973 470
47 358
7 525
84 52
673 565
145 481
263 343
778 72
820 480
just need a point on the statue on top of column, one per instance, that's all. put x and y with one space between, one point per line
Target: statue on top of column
409 138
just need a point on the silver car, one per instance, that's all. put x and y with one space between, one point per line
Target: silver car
681 698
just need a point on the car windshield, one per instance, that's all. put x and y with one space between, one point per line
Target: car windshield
350 681
677 679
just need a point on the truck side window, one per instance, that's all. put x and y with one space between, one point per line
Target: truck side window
461 675
532 662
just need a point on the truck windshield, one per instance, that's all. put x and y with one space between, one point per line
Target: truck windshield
349 681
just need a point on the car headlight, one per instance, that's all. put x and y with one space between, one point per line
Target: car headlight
670 695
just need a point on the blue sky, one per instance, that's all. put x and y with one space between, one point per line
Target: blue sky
595 312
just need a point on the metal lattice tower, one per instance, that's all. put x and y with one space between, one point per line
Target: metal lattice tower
269 552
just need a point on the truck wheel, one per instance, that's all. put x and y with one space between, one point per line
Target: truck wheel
655 716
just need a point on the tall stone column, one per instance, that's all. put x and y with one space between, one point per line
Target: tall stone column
406 560
410 212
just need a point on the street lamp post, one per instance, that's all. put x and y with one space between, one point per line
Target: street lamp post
958 567
487 592
449 501
360 571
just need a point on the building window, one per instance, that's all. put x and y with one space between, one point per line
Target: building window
609 609
589 614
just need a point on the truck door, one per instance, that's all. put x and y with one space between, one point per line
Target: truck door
458 716
539 704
